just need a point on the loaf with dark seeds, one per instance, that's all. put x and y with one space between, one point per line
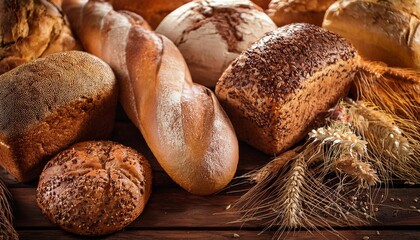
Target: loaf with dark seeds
275 91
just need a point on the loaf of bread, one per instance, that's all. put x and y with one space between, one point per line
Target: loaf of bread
94 188
275 91
50 103
31 29
284 12
387 31
153 11
211 33
182 122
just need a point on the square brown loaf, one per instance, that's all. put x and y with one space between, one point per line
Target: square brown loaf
276 90
51 103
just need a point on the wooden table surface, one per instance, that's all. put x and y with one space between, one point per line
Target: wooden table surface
173 213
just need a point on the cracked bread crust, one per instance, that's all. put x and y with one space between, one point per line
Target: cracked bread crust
50 103
94 188
31 29
214 32
277 89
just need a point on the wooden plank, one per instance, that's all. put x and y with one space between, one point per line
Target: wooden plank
229 234
176 208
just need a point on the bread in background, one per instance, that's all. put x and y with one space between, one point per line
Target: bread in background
387 31
284 12
31 29
262 3
211 34
50 103
94 188
153 11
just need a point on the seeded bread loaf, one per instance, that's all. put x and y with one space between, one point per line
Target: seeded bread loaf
50 103
276 90
94 188
31 29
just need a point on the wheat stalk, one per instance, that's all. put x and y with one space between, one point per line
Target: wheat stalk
390 146
6 218
395 90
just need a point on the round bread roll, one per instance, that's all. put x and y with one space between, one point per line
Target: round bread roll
284 12
32 29
211 34
387 31
94 187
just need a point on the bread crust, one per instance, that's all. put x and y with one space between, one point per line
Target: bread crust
275 91
50 103
387 31
32 29
284 12
95 187
182 122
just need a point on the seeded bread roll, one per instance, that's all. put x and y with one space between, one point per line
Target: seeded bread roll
50 103
381 30
94 188
284 12
31 29
276 90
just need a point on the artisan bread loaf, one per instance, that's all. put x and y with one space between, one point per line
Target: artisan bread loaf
387 31
211 33
182 122
31 29
276 90
284 12
94 188
50 103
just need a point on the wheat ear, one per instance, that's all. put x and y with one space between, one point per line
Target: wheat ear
7 230
396 150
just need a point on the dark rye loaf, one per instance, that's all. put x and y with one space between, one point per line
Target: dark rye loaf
50 103
276 90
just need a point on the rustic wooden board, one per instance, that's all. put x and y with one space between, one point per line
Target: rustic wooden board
175 208
230 234
173 213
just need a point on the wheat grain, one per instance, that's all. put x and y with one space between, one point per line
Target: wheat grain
362 171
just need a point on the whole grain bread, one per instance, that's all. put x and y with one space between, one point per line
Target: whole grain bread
50 103
275 91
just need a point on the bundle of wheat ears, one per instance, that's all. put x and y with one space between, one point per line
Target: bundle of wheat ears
6 218
333 179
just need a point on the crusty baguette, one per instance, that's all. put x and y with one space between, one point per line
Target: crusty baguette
182 122
278 89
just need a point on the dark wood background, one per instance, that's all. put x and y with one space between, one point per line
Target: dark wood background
173 213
